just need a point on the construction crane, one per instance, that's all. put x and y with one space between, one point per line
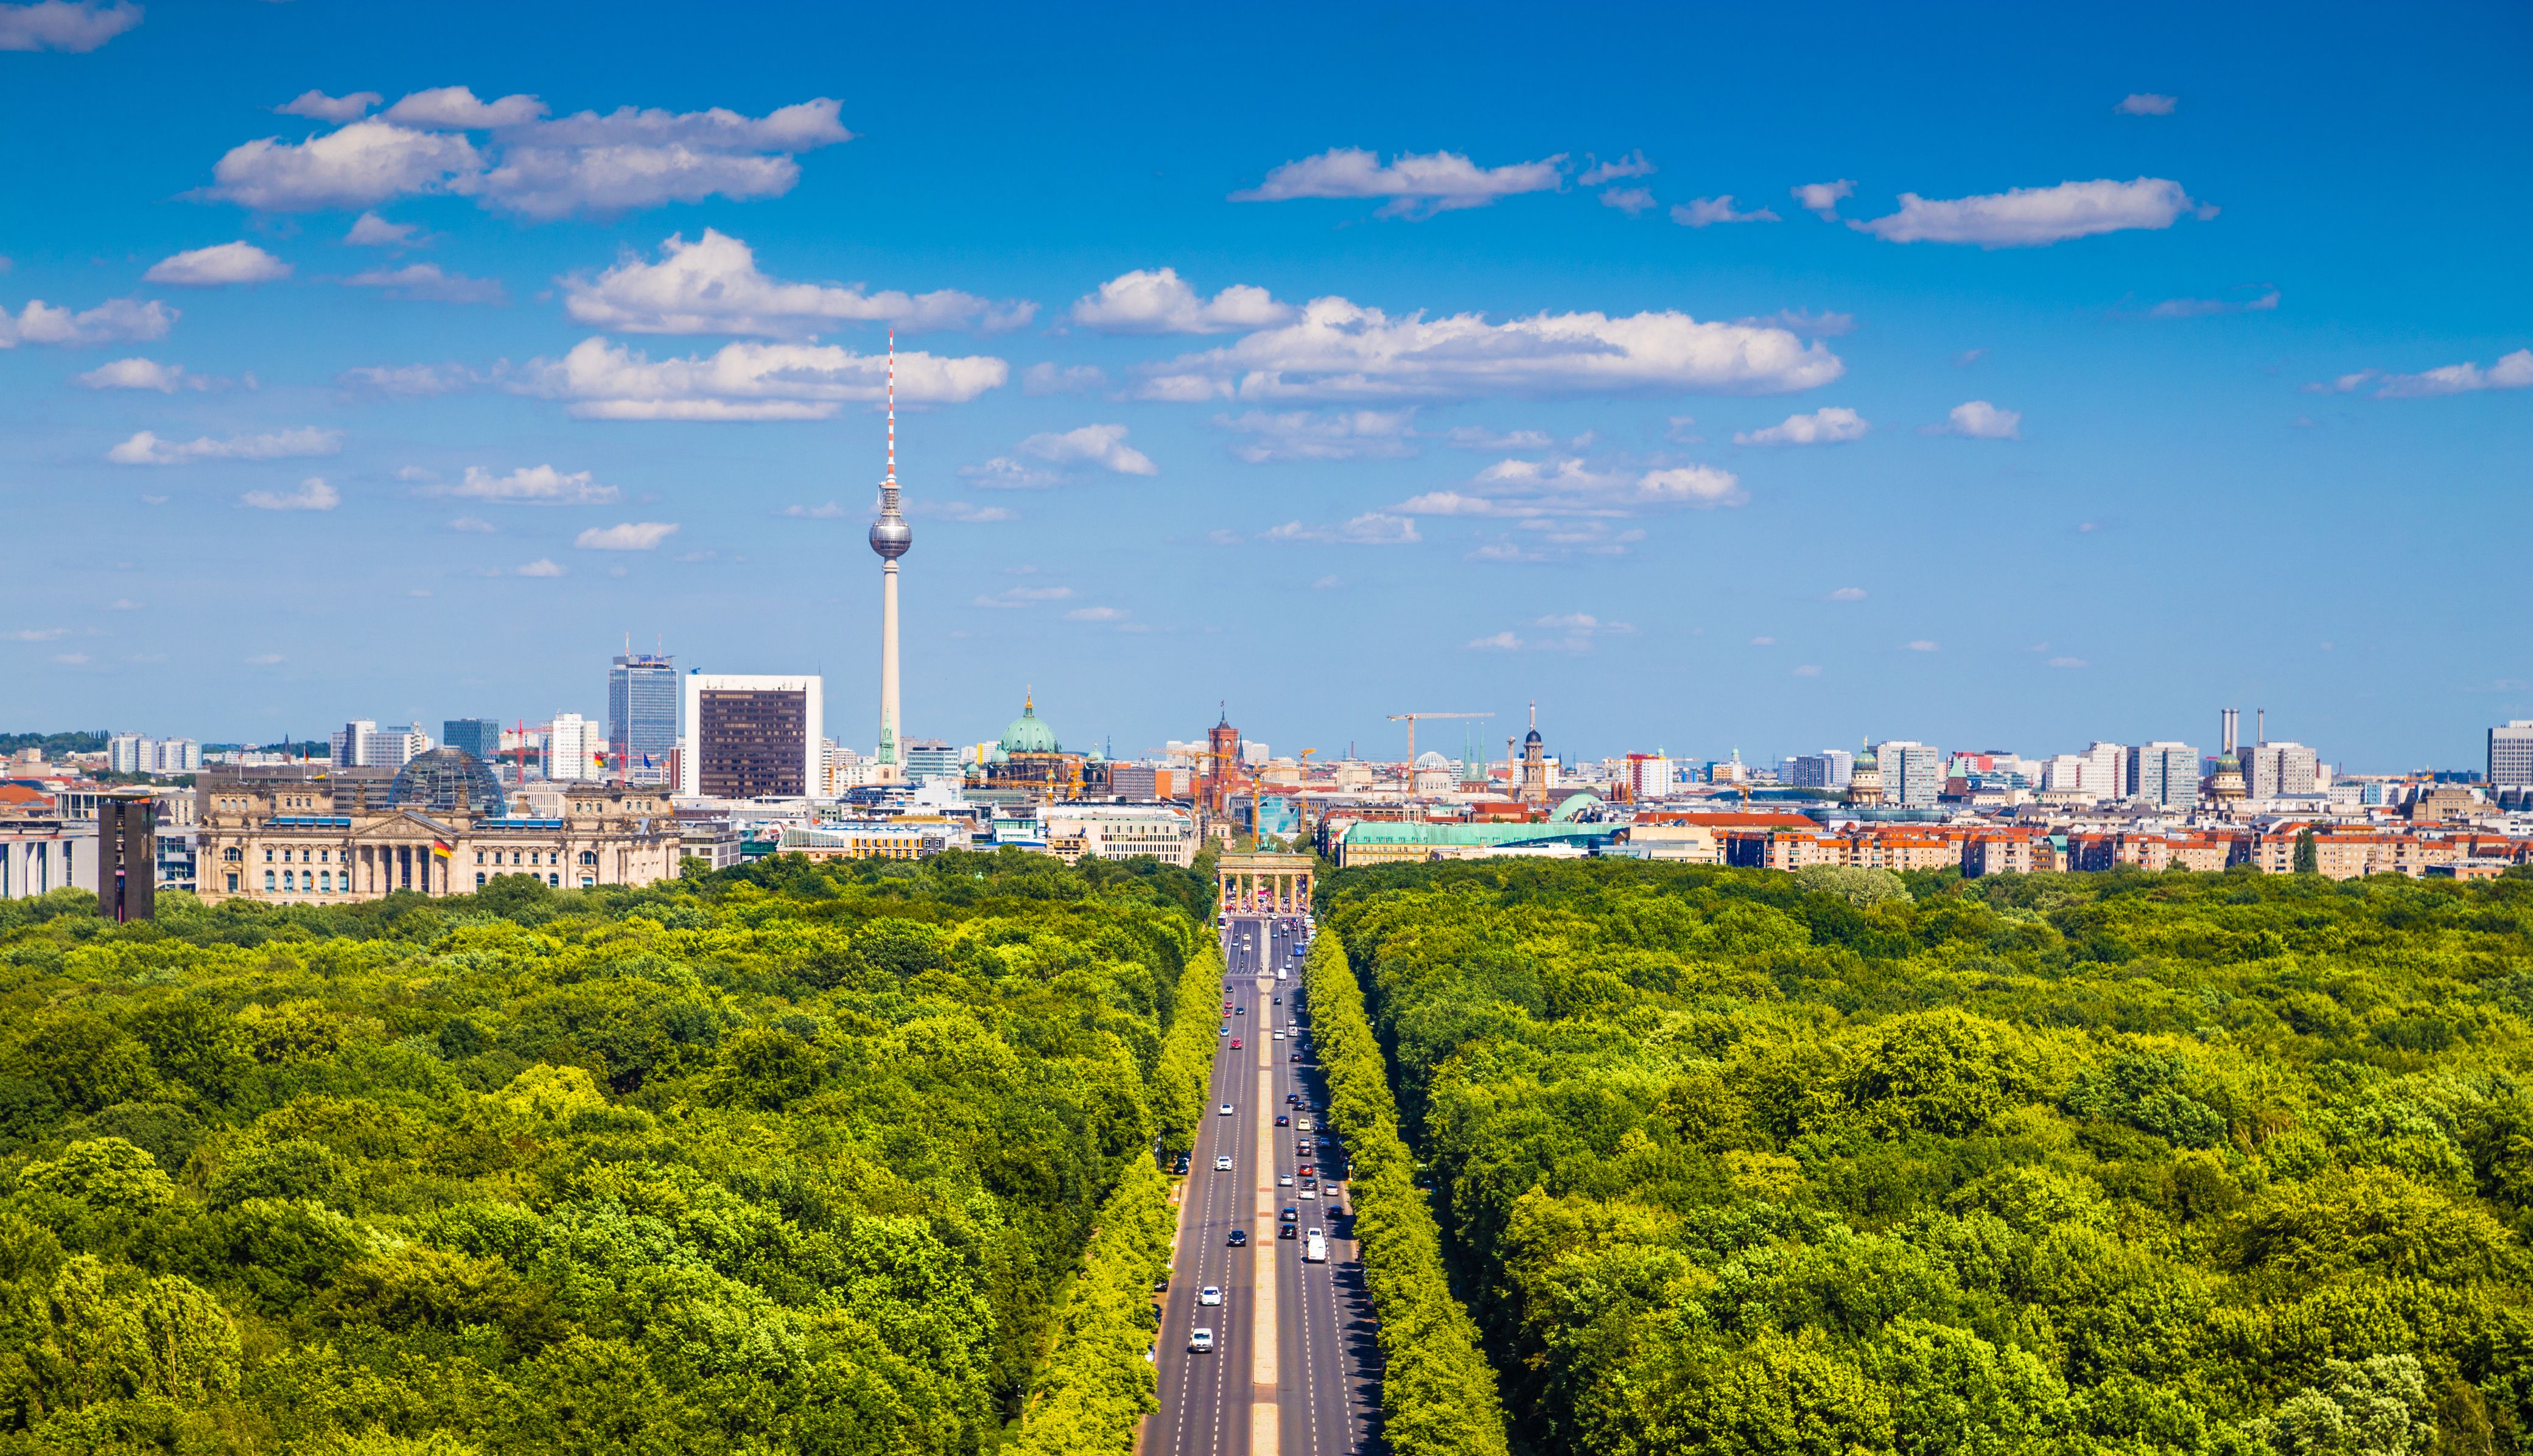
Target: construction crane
1410 720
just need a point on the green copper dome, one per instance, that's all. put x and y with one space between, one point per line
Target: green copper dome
1028 733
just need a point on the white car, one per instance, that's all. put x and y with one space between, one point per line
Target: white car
1224 1110
1209 1295
1305 1125
1307 1192
1284 1182
1222 1163
1279 1036
1201 1340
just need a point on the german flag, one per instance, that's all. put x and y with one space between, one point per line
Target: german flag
440 850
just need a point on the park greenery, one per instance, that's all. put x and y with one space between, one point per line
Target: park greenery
794 1157
1438 1398
1845 1162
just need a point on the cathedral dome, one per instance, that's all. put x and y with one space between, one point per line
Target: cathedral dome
1028 733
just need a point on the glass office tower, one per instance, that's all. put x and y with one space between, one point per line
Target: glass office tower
642 697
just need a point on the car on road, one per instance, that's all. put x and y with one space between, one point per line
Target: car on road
1224 1110
1235 1043
1280 1001
1279 1036
1297 1056
1282 1120
1314 1248
1308 1193
1225 1031
1307 1170
1223 1162
1209 1295
1284 1182
1290 1213
1201 1340
1239 1238
1303 1125
1286 1232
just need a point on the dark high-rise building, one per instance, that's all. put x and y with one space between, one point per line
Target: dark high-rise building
479 736
127 857
751 737
642 726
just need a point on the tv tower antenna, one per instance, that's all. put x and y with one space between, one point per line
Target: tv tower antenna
889 537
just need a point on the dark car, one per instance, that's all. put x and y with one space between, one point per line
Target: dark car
1240 1011
1292 1213
1286 1232
1181 1166
1297 1056
1239 1238
1282 1121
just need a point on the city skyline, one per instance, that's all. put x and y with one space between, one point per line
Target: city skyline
1935 392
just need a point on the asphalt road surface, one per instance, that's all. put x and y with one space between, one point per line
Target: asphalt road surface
1295 1369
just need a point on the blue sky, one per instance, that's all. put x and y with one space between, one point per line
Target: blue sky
2193 376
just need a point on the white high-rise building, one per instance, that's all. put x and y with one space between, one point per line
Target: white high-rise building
362 744
2510 755
889 537
2273 769
1912 773
2105 773
572 748
1253 754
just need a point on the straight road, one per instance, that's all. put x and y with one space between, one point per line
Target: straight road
1295 1367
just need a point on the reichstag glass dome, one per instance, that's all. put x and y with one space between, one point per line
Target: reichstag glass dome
446 781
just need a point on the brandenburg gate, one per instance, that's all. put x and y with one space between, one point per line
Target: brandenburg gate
1264 884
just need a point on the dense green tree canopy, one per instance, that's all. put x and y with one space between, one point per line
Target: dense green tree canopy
1732 1161
792 1158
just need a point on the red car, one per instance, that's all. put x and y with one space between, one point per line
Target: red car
1235 1043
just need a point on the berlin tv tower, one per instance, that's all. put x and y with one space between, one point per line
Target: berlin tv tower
890 536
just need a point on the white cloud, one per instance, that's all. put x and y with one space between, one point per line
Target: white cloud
1822 198
265 659
1500 642
2511 372
2069 663
1763 642
370 230
627 535
319 106
1705 212
1372 528
1479 438
145 374
1979 420
1531 489
1922 644
530 485
1338 350
1020 597
1340 434
1159 301
830 511
1822 326
1328 583
210 267
37 634
60 25
147 448
1828 426
1633 165
1635 201
359 165
473 525
977 515
413 380
425 282
1418 186
454 108
313 495
2264 300
1047 379
541 169
2146 103
1097 615
712 285
1847 594
1103 445
125 604
540 567
1808 670
2036 216
604 380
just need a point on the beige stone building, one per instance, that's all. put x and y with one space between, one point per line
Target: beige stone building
290 843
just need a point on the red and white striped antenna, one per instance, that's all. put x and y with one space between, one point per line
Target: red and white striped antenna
892 406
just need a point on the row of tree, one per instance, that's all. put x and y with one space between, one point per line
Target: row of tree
793 1158
1438 1395
1737 1161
